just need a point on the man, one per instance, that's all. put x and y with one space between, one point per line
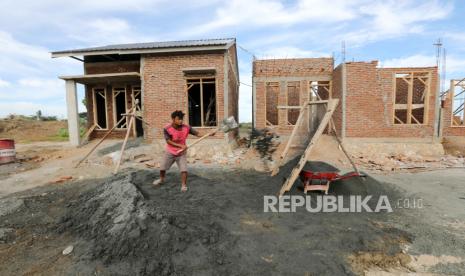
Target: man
176 135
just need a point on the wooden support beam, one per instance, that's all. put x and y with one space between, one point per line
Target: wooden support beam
131 121
405 106
85 138
409 100
397 119
306 155
289 141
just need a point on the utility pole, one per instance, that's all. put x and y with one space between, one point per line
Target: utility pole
438 46
437 124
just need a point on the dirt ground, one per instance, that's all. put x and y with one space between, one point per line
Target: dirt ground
28 130
121 225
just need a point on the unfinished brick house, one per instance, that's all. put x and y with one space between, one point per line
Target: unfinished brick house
376 104
453 115
280 86
199 77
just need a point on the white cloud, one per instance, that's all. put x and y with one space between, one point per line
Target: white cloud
102 31
418 60
287 29
29 89
30 108
289 52
25 60
4 83
260 13
454 64
395 18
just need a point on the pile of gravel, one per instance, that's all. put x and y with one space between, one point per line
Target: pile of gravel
120 228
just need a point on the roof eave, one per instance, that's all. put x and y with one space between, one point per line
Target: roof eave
140 51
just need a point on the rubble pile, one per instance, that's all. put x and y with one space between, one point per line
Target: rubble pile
407 161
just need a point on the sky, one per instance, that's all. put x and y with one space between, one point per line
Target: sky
397 33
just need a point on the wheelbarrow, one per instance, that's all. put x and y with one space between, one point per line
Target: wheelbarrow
320 181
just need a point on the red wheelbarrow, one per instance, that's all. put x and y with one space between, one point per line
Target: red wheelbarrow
310 179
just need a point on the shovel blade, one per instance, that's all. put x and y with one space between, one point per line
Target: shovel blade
229 124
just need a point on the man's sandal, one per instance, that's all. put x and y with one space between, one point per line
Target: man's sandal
157 182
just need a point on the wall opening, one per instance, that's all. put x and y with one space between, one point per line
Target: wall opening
202 102
320 90
271 107
458 103
137 92
119 106
293 99
100 108
411 97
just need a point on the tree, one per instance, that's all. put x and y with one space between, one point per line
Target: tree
38 115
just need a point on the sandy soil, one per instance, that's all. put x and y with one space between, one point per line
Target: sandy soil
121 225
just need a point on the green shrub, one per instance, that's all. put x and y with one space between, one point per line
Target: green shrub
63 133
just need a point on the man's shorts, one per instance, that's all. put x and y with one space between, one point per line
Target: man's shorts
168 160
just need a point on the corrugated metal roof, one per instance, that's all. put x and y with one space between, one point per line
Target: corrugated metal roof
150 45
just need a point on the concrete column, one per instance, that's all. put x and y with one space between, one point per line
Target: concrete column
226 91
73 116
343 101
254 103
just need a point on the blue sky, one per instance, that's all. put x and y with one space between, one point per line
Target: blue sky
397 33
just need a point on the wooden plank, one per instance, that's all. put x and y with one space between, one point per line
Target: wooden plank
289 141
85 138
288 107
427 100
342 147
318 101
202 122
405 106
99 142
131 121
399 120
394 96
409 100
415 119
306 155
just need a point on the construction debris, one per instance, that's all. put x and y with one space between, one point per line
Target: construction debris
68 250
407 162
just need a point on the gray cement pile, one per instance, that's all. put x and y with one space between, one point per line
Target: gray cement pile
129 234
133 228
122 225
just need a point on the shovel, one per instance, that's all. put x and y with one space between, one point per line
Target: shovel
226 126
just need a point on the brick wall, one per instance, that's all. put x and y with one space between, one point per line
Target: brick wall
233 88
299 67
369 102
446 119
281 71
165 88
111 67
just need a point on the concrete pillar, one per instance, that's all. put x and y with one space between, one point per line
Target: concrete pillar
225 91
343 101
73 116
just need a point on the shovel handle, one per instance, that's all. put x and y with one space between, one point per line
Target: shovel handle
198 140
